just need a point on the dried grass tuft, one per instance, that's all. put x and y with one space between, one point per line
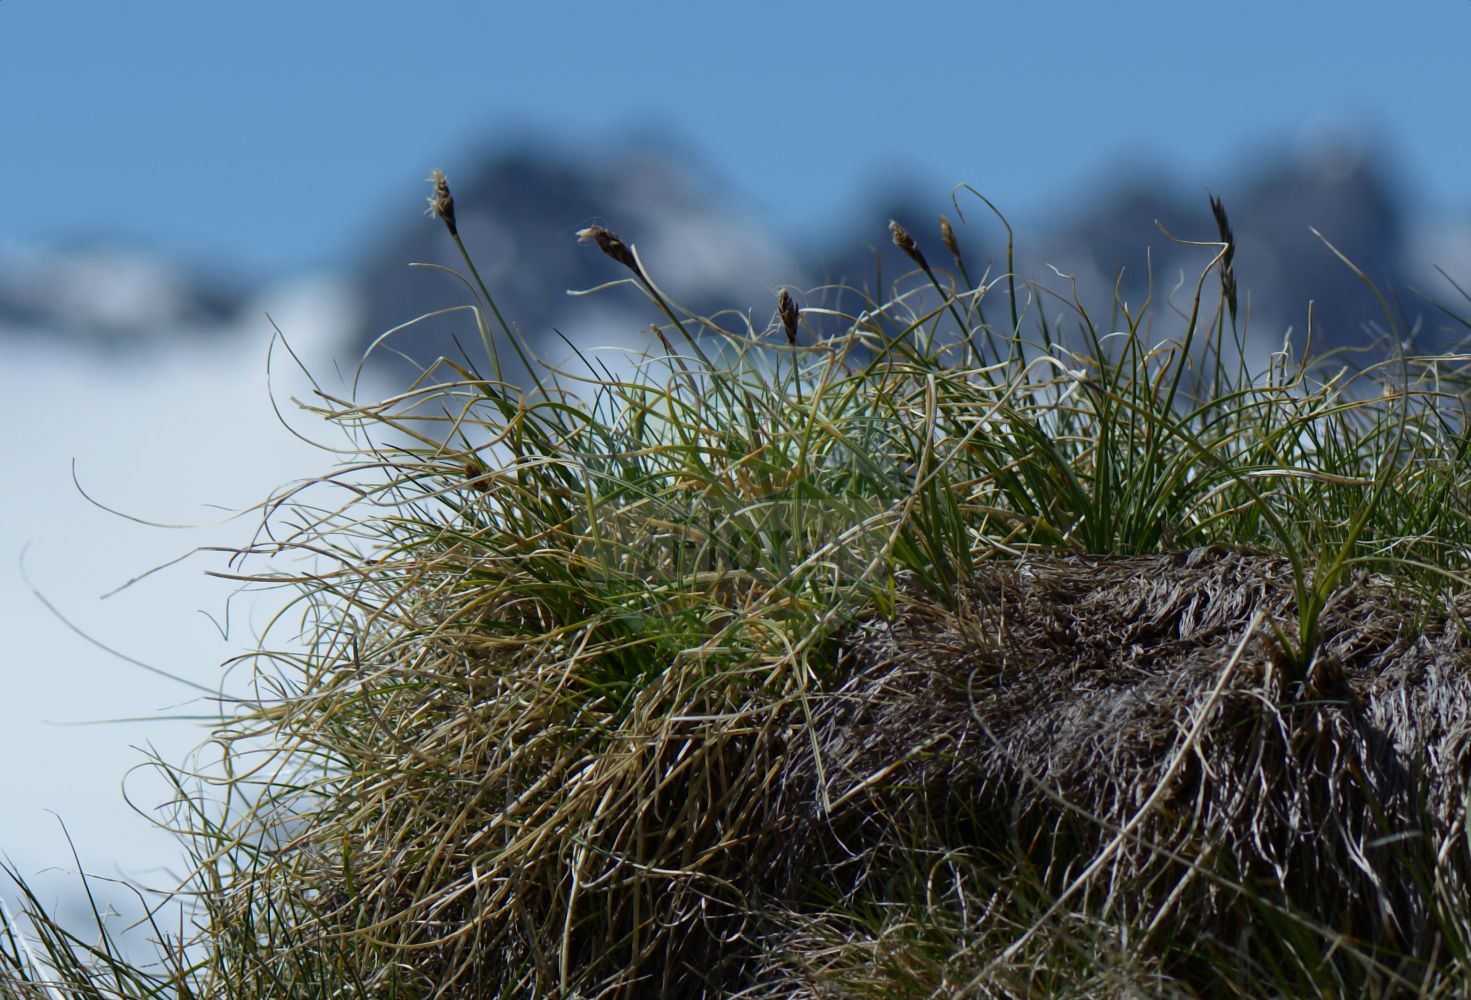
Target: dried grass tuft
1097 712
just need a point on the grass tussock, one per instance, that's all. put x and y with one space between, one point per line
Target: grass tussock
938 641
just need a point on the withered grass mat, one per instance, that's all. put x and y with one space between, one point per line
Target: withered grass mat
1140 711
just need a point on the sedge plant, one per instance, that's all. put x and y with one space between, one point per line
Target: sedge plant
568 625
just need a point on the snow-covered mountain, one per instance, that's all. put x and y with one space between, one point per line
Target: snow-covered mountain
108 293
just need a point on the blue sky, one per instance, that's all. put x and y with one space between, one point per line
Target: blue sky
278 135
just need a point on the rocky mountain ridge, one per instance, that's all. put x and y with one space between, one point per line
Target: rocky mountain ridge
519 212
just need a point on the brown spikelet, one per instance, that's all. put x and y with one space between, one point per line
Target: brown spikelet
441 202
947 236
1228 276
475 474
610 244
905 242
786 307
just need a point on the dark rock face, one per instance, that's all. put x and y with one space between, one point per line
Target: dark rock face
1280 264
1352 204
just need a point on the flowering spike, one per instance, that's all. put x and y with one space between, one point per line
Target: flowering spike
1228 276
905 242
786 307
441 202
610 244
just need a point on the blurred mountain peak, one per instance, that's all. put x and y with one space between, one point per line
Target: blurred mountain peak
106 290
1332 148
521 203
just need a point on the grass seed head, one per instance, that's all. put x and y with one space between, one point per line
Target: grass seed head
441 202
905 242
947 236
1228 276
790 314
610 244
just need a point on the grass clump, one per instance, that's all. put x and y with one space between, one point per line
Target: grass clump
905 644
